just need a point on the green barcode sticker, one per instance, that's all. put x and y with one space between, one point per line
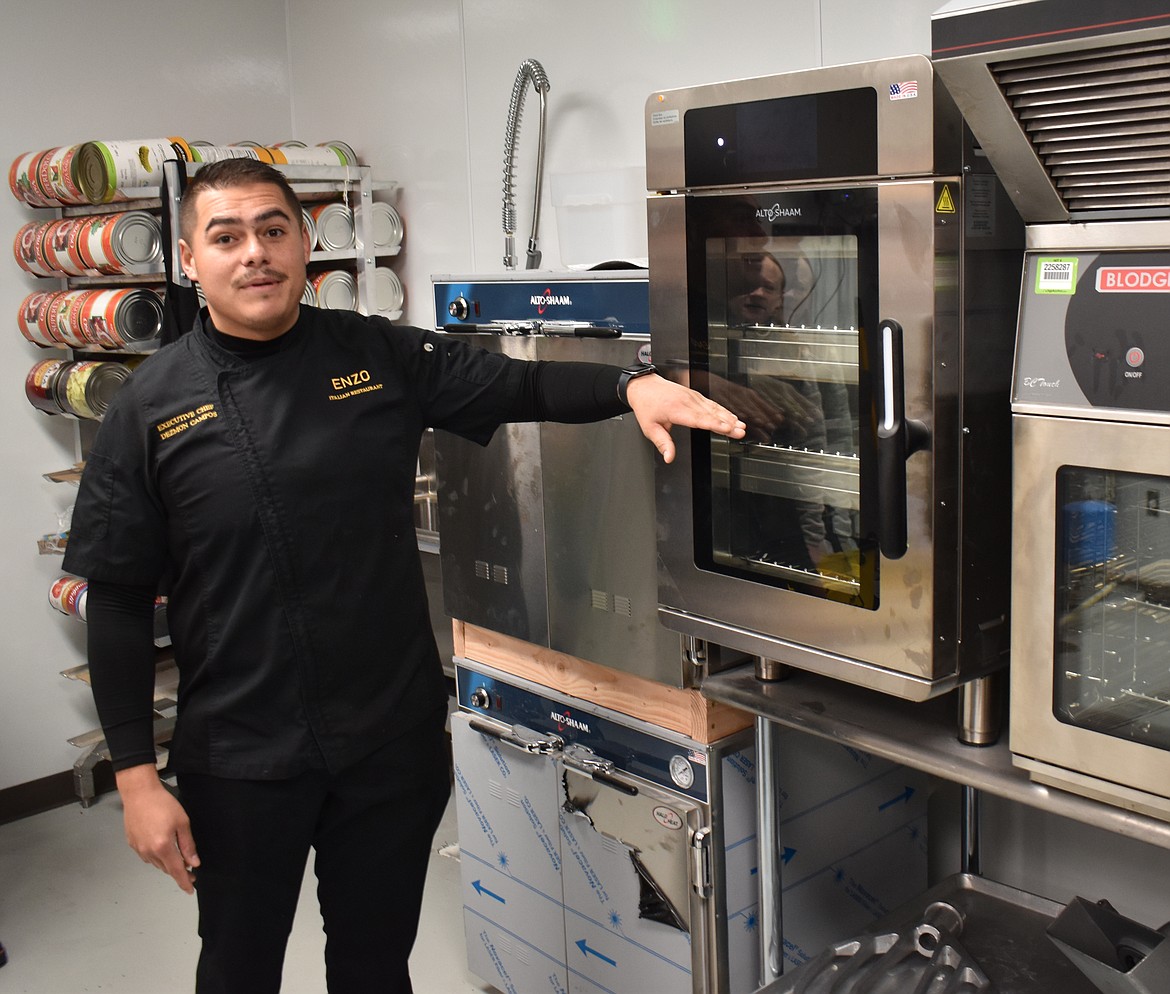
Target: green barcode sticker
1056 275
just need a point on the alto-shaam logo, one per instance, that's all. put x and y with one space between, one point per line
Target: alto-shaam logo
565 719
549 299
777 211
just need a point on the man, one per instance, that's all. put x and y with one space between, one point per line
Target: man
260 470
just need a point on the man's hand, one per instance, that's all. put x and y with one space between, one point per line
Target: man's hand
659 405
156 825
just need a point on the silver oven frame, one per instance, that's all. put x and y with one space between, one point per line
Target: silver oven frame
1131 775
942 618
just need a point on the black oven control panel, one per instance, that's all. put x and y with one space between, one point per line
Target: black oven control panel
1095 331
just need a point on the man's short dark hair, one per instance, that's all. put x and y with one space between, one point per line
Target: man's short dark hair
226 174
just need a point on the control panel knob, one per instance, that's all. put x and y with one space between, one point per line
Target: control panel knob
480 698
459 308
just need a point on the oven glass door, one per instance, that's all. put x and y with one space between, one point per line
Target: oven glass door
784 294
1112 591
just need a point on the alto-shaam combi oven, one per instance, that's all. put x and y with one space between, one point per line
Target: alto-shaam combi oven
832 258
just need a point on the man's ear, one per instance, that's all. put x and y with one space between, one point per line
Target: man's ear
187 260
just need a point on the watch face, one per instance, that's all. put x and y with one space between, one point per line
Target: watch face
681 772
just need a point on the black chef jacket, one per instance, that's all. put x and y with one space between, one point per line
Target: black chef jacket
273 500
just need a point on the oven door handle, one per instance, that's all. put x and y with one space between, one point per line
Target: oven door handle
898 438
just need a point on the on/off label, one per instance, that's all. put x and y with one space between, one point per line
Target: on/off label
1056 275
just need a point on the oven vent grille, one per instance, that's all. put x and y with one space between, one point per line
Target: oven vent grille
1099 121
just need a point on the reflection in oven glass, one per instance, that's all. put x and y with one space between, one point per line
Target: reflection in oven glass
783 335
1113 604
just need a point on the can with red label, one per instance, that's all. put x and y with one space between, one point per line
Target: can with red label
335 228
28 248
64 316
57 175
68 594
40 385
125 318
22 180
60 248
129 242
32 322
106 169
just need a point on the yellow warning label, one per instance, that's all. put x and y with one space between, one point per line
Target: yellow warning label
946 203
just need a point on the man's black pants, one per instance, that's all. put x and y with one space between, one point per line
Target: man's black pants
371 827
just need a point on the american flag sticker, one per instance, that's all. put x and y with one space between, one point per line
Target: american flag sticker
904 91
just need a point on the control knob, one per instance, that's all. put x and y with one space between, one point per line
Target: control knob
459 308
480 698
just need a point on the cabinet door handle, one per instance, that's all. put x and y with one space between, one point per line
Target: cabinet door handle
898 438
518 736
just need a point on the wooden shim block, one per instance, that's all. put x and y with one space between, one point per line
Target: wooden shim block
680 710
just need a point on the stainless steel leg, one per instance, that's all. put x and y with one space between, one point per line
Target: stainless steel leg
979 711
768 836
971 837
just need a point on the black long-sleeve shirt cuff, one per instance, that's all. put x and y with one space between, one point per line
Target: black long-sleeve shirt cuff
575 392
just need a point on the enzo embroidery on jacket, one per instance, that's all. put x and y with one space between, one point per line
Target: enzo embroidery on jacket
189 419
352 385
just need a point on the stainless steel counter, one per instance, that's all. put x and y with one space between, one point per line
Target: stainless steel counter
921 736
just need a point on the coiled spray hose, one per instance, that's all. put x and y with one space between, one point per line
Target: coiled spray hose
530 71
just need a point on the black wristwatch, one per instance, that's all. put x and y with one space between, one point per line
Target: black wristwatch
632 373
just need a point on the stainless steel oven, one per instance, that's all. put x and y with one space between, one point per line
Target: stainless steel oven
832 259
1070 102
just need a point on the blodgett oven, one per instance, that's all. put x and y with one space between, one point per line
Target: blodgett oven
833 259
1070 101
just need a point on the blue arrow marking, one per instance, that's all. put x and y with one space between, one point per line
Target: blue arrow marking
786 858
481 889
587 949
904 796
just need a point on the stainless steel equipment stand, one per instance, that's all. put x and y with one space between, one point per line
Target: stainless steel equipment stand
771 864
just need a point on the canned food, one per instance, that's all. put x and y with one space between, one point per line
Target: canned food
388 293
335 231
32 322
127 318
310 227
28 248
336 289
121 243
105 169
40 385
68 594
309 295
214 153
57 175
22 180
343 151
85 388
60 249
63 316
302 155
386 223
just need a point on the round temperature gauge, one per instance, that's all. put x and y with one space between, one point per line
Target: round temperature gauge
681 772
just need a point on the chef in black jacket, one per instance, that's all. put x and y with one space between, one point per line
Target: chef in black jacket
260 471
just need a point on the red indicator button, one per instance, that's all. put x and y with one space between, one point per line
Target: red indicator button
1135 357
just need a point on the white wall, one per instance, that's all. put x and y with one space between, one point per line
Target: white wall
71 72
421 89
